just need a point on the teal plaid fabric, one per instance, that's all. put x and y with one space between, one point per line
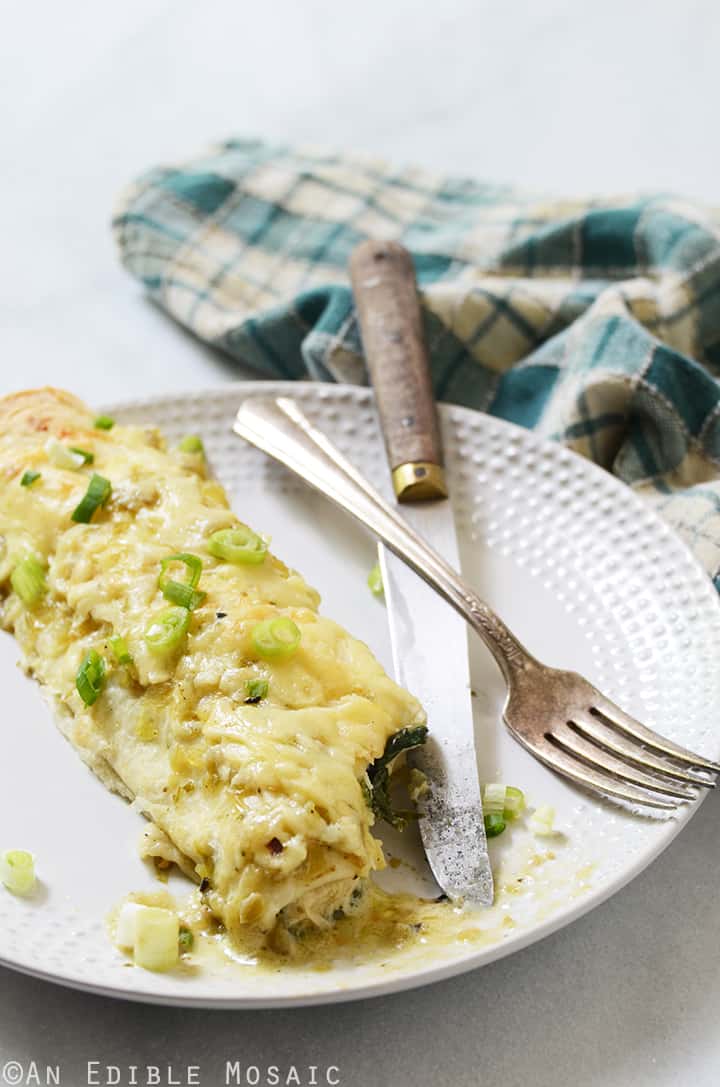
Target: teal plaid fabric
594 323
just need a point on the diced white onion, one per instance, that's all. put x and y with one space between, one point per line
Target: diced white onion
542 822
125 928
157 932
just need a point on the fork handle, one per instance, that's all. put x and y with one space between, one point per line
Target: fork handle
278 427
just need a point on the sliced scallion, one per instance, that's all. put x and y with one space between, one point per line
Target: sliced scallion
17 871
239 545
28 580
28 478
119 649
104 422
255 690
493 799
375 581
183 595
503 800
193 563
97 494
63 457
87 456
494 825
167 630
276 638
514 802
191 444
90 678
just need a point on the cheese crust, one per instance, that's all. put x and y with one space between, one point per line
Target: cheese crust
263 802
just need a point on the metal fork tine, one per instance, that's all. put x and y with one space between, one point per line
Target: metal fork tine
593 728
560 761
599 759
616 717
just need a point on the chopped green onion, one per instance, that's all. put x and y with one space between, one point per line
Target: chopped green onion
97 494
104 422
28 478
276 637
119 649
87 457
255 690
375 581
185 939
17 871
503 800
28 580
494 825
493 799
542 822
238 545
514 802
167 629
191 444
183 595
157 934
62 457
193 563
90 679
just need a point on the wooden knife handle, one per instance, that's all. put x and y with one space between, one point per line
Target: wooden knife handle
388 308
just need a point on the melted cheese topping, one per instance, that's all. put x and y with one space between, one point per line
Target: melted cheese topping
220 779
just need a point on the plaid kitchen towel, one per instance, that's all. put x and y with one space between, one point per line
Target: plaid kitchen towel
596 323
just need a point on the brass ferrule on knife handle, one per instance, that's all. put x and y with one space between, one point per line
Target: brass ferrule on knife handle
419 481
390 318
279 428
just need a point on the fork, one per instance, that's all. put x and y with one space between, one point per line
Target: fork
557 715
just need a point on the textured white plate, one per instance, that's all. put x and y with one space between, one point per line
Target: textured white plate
580 568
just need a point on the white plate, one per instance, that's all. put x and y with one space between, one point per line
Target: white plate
584 572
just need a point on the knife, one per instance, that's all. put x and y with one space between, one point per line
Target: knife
429 639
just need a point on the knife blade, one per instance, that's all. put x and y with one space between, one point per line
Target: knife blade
423 629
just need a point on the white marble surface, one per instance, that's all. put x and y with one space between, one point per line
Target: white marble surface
574 97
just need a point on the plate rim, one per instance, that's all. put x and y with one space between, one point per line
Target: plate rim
440 971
